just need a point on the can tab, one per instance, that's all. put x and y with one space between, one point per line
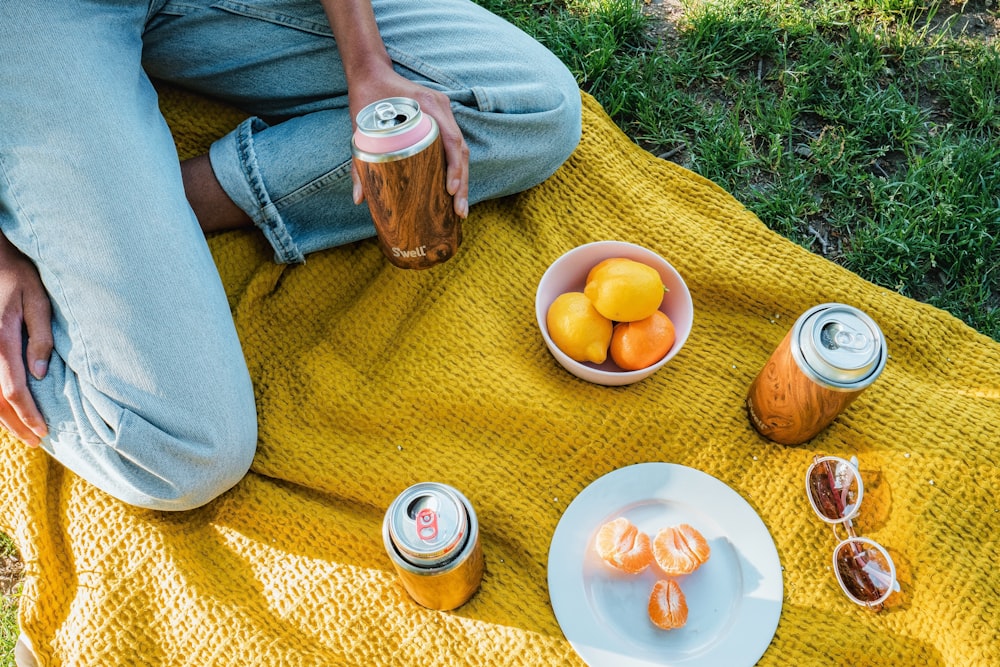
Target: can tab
837 336
427 525
387 116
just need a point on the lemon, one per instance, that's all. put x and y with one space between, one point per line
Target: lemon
624 290
578 329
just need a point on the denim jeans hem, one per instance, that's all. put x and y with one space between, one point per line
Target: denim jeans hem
235 164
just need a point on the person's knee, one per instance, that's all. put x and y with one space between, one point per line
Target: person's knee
170 456
553 135
231 463
198 461
565 126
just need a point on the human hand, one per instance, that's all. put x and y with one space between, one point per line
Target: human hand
438 106
371 77
24 308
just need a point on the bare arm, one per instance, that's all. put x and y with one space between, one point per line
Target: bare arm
370 77
24 307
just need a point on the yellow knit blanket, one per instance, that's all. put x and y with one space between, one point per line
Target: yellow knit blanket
370 378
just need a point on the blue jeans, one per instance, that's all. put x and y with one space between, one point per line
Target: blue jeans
147 395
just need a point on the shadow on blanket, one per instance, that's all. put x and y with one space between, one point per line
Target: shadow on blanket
369 379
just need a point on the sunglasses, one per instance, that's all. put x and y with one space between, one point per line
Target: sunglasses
863 567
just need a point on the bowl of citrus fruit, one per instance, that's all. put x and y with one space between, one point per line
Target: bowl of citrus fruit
613 312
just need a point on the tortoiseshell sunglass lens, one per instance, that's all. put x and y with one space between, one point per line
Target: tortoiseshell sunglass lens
864 570
833 488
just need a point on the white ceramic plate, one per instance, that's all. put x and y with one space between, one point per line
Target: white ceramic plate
734 600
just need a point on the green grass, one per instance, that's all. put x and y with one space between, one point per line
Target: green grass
868 131
8 612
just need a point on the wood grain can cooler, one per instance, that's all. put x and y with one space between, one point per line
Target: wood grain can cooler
432 537
400 161
832 353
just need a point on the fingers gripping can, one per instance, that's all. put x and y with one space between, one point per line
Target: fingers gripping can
832 353
400 160
432 537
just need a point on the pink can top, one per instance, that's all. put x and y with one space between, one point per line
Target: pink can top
391 125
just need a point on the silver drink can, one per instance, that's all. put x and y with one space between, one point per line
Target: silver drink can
431 534
832 353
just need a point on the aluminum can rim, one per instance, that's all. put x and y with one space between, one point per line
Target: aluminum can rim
821 365
429 525
368 119
372 143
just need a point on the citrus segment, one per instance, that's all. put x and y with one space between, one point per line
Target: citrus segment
680 549
640 344
578 329
667 606
620 544
624 290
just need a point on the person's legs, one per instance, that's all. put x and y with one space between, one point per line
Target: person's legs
147 395
289 168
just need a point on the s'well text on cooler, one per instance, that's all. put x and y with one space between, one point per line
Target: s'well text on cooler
419 252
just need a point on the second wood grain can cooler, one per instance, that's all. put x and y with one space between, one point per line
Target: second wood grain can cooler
832 353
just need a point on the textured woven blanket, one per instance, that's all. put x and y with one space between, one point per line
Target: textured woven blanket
371 378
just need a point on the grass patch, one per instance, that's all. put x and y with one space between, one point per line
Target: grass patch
9 588
867 131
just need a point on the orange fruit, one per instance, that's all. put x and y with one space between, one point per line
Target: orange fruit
624 290
680 550
667 607
640 344
578 329
621 545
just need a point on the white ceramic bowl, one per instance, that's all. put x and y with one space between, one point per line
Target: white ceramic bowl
569 274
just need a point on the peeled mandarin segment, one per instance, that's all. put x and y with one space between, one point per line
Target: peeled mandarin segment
615 536
667 606
696 543
624 290
640 344
680 550
639 557
577 329
623 546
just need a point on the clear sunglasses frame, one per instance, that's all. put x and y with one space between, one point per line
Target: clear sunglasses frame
863 567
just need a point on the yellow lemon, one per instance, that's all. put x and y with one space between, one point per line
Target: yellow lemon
624 290
578 329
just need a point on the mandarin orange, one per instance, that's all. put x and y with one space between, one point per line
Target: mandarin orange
680 550
623 546
640 344
667 606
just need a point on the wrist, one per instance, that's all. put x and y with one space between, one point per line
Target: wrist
359 42
367 68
